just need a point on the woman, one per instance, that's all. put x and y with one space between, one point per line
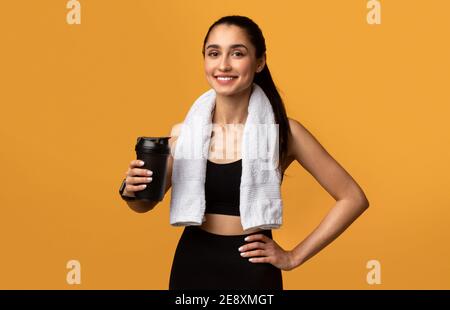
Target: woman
215 254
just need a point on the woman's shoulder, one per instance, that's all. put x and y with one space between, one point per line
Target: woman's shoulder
298 130
174 134
299 140
294 124
294 127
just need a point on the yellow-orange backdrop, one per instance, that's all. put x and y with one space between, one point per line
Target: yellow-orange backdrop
75 97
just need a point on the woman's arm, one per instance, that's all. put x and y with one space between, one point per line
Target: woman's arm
351 201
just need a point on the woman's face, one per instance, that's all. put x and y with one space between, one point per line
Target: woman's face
230 61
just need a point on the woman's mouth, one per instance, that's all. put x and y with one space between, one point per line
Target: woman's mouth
225 80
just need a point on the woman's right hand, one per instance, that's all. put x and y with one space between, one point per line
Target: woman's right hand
136 178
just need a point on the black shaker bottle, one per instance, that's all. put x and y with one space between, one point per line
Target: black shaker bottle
154 151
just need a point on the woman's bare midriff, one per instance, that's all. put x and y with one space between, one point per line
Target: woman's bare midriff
221 224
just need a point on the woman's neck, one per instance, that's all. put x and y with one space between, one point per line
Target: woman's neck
232 109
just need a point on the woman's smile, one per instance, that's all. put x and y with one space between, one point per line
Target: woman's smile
225 79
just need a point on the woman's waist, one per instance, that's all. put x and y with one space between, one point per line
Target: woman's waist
224 224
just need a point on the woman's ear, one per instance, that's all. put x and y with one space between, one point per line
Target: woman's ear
261 63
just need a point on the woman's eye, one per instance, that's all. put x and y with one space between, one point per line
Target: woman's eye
214 54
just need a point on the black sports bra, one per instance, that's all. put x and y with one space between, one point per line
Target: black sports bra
222 187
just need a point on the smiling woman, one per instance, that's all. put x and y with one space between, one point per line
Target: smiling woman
208 256
215 251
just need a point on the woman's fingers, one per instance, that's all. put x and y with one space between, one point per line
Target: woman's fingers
259 252
140 172
251 246
136 163
135 188
137 178
257 248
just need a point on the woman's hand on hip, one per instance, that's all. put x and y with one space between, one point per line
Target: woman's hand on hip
262 249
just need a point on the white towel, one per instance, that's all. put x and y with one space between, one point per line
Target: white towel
260 193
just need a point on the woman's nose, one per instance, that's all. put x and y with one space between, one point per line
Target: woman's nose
224 64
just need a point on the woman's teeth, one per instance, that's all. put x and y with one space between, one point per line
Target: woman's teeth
225 78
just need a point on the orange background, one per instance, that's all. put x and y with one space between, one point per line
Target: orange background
75 97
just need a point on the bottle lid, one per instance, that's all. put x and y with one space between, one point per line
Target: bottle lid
153 144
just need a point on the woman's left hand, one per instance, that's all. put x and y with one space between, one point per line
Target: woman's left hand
268 251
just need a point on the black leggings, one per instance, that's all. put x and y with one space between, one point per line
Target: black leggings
204 260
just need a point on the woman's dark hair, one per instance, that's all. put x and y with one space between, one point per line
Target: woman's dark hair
263 78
